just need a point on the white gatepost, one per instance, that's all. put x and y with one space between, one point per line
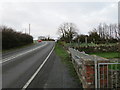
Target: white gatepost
95 61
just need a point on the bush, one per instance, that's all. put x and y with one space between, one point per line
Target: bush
12 39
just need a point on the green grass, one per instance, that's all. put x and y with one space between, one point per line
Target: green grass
65 58
110 55
114 67
107 54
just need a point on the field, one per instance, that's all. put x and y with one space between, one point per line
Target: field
107 54
110 55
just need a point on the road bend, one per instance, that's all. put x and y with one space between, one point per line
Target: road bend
36 66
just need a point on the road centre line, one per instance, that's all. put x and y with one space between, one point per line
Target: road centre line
33 76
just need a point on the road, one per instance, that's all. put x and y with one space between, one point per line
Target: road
36 66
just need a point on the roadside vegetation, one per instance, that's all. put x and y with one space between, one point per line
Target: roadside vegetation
13 39
104 40
103 34
65 58
107 54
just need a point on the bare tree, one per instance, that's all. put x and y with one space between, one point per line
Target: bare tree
108 31
67 31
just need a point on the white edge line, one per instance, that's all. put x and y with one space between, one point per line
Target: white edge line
30 80
20 54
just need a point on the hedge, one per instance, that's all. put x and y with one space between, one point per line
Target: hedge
12 38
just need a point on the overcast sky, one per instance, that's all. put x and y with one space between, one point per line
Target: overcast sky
45 17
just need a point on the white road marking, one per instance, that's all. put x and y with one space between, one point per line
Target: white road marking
31 79
20 54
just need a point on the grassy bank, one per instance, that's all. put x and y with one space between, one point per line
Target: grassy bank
107 54
65 57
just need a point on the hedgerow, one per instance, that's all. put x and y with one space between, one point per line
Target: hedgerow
12 38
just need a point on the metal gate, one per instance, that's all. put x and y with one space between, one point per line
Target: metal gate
108 75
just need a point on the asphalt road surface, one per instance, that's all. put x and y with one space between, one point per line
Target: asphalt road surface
36 66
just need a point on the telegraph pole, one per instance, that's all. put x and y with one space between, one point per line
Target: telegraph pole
25 30
86 40
29 29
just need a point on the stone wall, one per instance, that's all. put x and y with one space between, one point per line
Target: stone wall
84 65
94 49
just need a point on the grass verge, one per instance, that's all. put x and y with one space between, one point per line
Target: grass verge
65 58
107 54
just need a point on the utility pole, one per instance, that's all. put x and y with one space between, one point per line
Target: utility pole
25 30
29 29
86 40
78 42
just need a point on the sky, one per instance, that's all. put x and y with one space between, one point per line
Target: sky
46 17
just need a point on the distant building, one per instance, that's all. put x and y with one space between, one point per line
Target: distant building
41 37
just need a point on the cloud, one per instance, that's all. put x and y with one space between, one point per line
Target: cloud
46 17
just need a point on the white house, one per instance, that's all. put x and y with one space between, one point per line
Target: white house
41 37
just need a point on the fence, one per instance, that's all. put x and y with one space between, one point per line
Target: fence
109 77
95 71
